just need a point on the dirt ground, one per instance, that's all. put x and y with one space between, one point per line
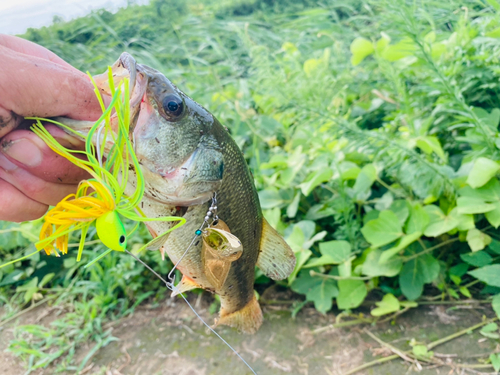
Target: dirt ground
170 340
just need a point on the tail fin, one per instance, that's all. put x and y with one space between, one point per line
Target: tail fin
248 319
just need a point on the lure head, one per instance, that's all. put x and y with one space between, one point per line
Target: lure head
174 137
111 231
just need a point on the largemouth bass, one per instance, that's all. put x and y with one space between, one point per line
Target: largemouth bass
187 156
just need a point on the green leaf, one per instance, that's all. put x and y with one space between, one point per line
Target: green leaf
456 280
319 211
29 285
470 205
46 279
459 270
349 170
365 180
321 261
495 5
422 351
403 243
494 246
430 144
301 258
371 215
495 357
489 192
351 294
489 331
411 280
429 267
465 291
383 230
400 208
482 171
417 272
382 42
345 268
304 282
490 327
276 161
270 198
360 48
477 259
339 251
319 290
322 295
477 240
371 266
397 51
292 208
389 304
12 236
439 223
311 65
493 216
29 294
419 219
489 274
495 304
296 238
465 222
69 262
315 179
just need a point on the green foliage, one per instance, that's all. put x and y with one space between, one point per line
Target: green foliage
371 129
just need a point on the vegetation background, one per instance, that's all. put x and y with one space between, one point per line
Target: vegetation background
370 126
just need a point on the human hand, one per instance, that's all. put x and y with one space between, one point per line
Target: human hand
36 82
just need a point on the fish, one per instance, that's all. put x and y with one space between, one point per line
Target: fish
189 161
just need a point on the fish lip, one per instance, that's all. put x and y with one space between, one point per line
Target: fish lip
180 172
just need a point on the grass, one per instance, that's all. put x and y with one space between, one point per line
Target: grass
366 126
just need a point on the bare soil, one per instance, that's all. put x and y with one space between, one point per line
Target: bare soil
170 340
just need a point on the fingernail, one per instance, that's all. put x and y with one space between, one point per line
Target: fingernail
6 164
24 151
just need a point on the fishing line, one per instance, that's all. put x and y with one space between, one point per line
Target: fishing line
173 288
212 212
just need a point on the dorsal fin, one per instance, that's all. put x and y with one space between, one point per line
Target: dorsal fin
276 258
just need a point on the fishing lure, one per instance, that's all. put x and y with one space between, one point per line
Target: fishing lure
100 200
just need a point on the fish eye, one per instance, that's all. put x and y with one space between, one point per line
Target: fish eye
173 105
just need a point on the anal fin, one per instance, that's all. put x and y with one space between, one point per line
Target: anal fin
247 320
276 258
185 285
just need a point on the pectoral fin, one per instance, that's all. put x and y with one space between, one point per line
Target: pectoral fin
185 285
276 258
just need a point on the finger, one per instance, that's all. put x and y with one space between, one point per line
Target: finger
33 86
8 121
15 206
29 48
27 151
47 193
